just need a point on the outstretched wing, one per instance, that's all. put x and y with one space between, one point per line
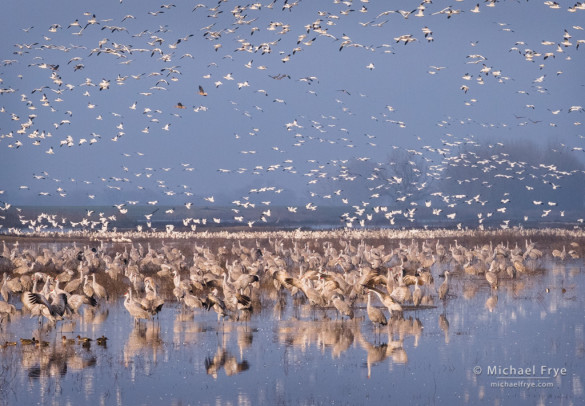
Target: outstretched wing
37 298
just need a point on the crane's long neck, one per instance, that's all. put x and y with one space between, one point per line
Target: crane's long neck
45 290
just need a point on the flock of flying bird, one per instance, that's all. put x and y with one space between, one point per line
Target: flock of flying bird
76 85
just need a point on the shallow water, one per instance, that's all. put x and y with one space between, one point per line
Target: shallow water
290 354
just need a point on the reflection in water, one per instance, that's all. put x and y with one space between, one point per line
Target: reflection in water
538 311
143 339
539 315
95 315
491 303
375 353
279 305
403 328
516 288
340 336
470 290
335 335
186 330
577 386
417 329
223 359
245 338
57 359
378 353
49 363
444 326
46 366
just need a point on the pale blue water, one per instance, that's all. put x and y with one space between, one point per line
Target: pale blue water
296 357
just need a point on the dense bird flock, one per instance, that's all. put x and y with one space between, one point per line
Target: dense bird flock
238 279
424 111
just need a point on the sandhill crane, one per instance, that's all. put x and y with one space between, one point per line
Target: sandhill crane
193 302
135 308
6 310
492 279
243 304
375 315
342 306
518 265
151 301
87 287
401 293
4 288
417 294
314 297
77 300
386 300
10 285
98 290
531 252
54 309
560 254
245 280
304 285
282 279
181 287
471 268
444 288
27 303
229 293
216 304
74 284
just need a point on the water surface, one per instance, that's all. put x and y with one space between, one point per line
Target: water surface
288 353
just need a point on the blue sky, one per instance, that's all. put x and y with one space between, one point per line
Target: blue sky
271 127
